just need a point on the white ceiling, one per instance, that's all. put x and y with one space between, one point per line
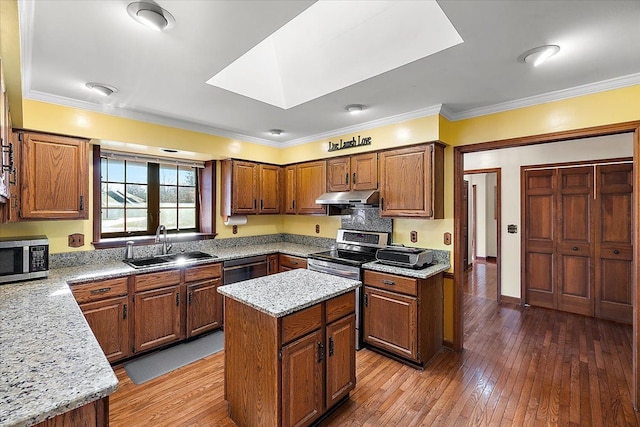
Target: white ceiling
160 76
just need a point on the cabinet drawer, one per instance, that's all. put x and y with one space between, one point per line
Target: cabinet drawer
203 272
391 282
148 281
301 323
341 306
289 261
100 290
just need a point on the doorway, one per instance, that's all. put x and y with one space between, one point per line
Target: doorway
483 222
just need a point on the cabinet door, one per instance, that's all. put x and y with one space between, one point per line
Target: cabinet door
109 321
55 181
341 359
157 317
4 140
290 175
405 182
614 247
311 183
339 174
204 307
273 266
390 322
302 380
11 209
364 171
244 188
270 188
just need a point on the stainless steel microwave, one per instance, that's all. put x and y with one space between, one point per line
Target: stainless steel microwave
23 258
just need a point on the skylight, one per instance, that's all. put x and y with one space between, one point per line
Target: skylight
335 44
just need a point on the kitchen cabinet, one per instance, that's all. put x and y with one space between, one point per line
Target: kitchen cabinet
403 315
5 143
359 172
303 184
249 188
273 264
310 352
412 182
94 414
290 262
105 305
10 211
54 179
204 303
289 192
157 309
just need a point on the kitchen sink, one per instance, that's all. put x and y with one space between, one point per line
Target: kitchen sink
168 259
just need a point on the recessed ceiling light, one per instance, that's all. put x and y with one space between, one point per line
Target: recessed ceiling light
354 108
102 89
275 131
150 15
538 55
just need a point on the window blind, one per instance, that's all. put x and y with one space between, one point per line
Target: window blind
146 158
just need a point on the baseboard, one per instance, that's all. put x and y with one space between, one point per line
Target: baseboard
448 275
510 300
491 259
448 345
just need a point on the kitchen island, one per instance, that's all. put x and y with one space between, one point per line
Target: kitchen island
289 347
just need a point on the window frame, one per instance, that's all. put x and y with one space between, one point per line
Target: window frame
205 208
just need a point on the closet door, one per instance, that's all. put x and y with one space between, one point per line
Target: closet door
540 207
574 240
613 249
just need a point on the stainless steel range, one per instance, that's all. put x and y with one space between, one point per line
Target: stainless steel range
353 249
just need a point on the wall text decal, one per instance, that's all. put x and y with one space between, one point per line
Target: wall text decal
349 143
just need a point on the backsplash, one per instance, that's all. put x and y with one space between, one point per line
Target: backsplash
367 219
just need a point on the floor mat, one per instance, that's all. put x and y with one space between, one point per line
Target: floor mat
152 366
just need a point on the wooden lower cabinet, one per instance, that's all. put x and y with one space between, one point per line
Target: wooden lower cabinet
403 316
204 307
290 262
157 317
109 322
273 264
288 371
93 414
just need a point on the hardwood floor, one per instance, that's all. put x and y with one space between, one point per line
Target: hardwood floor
520 366
481 280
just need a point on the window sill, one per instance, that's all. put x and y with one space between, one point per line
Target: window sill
121 242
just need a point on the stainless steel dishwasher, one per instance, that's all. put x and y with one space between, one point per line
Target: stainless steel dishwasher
237 270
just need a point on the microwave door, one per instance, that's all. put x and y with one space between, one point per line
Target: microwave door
14 261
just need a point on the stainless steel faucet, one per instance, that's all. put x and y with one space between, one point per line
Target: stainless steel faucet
166 247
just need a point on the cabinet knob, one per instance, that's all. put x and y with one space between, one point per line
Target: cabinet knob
615 251
575 248
354 178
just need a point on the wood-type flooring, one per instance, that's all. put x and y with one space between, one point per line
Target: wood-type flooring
521 366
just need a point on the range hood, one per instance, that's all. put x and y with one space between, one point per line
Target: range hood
360 197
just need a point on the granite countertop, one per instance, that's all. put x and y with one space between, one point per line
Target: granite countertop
50 361
422 273
285 293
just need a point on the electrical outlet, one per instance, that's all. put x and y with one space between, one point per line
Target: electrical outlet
76 240
414 237
317 228
447 238
234 229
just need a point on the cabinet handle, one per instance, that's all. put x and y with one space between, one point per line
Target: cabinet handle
382 204
81 203
615 251
294 262
354 178
293 206
388 282
261 204
330 346
124 312
366 300
255 203
178 299
346 178
99 291
320 352
575 248
190 298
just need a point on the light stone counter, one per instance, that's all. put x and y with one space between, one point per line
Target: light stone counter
422 273
50 361
280 294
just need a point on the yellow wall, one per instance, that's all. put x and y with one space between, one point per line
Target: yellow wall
10 54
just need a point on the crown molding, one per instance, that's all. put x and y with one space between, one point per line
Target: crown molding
429 111
587 89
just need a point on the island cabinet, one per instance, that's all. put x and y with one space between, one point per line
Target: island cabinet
412 182
292 369
105 305
403 315
249 188
358 172
54 177
290 262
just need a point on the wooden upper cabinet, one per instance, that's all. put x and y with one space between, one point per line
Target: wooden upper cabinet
54 177
353 173
311 180
249 188
412 182
290 174
5 161
270 188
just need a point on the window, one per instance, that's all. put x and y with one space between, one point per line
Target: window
138 193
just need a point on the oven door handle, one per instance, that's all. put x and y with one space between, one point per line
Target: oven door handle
334 271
